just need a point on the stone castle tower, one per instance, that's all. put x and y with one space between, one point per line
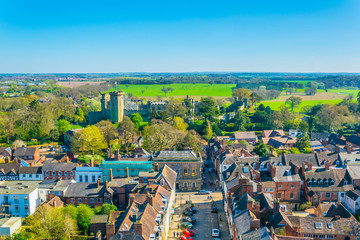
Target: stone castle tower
112 106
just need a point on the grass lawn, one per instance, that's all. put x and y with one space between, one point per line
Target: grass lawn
277 105
199 89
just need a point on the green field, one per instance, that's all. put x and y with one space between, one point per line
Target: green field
199 89
277 105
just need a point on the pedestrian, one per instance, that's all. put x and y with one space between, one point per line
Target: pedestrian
174 234
178 234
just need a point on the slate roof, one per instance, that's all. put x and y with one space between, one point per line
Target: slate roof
319 136
241 204
86 190
6 168
342 226
259 234
349 157
338 175
353 194
286 174
242 221
169 175
176 155
59 167
298 159
322 157
24 151
18 187
354 139
30 170
338 210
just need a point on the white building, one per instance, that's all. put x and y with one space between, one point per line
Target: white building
8 226
18 198
352 201
88 174
30 174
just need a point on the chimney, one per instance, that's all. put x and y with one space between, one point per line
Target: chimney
110 230
127 172
327 165
116 154
150 199
111 175
92 162
254 224
98 182
237 174
276 207
7 160
273 171
109 151
156 167
258 188
132 199
106 184
296 169
138 228
67 159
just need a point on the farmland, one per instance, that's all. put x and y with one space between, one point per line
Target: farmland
275 105
199 89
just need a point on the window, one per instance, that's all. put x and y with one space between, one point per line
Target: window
327 195
16 199
79 200
93 178
280 186
99 200
291 196
194 185
279 195
16 209
292 186
26 208
345 182
71 174
185 185
91 200
85 200
60 173
342 194
80 178
26 198
318 225
66 173
193 171
86 178
330 225
185 171
47 173
23 175
72 200
30 175
319 194
54 173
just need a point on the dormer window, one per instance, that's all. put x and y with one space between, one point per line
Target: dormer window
332 182
262 165
280 164
326 182
320 182
345 182
309 182
337 162
287 173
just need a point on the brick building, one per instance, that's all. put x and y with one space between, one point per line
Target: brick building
55 171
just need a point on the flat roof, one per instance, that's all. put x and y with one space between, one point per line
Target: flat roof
18 187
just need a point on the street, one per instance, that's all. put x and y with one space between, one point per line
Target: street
206 221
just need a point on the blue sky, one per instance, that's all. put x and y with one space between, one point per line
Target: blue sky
179 36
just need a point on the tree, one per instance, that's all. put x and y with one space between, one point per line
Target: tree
104 209
207 129
293 101
54 134
240 121
241 93
79 115
207 108
49 223
142 91
180 124
303 143
89 140
83 217
108 130
128 129
154 114
190 140
261 149
165 90
254 98
312 90
136 119
175 109
63 126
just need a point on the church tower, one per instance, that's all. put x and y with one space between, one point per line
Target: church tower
117 106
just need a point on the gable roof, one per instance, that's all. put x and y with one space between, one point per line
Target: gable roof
353 194
30 170
59 167
299 159
338 175
272 133
242 221
7 168
258 234
244 135
169 176
86 190
286 174
24 151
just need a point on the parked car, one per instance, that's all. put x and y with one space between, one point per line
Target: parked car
183 237
188 219
204 192
186 225
189 232
191 209
210 170
206 164
215 233
187 213
214 209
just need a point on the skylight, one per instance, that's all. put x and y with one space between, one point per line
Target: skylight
318 225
